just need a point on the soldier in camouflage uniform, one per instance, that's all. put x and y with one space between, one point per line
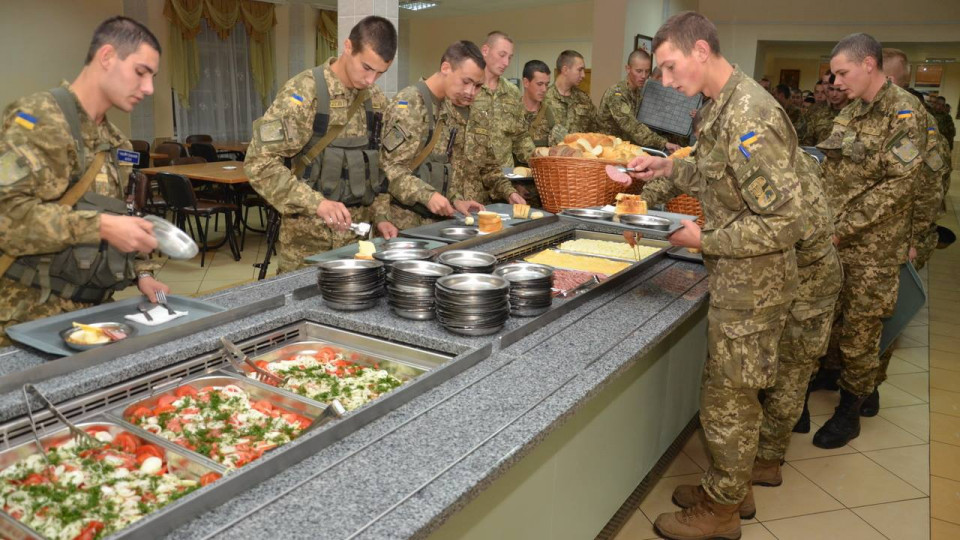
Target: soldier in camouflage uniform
807 330
782 93
743 170
536 82
621 104
497 110
40 157
437 108
569 109
819 122
873 161
314 217
945 124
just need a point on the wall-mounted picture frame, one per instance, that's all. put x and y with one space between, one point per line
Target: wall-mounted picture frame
641 41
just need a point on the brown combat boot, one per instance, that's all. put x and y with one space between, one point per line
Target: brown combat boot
766 473
706 520
688 496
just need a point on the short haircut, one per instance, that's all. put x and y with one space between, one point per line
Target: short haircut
566 59
858 47
941 99
818 83
535 66
783 89
639 53
378 33
765 79
809 99
125 34
463 50
684 29
492 37
889 53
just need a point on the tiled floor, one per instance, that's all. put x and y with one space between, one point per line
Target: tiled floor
900 479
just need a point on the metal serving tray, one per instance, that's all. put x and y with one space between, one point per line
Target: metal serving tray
681 253
431 231
654 233
592 235
256 390
348 251
44 334
179 462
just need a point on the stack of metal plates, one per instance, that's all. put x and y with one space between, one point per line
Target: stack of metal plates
473 304
404 243
351 284
530 293
390 256
468 262
410 288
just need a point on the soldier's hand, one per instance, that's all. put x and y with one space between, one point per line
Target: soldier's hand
912 253
468 207
688 236
671 148
387 230
516 198
149 286
646 167
334 214
127 233
438 204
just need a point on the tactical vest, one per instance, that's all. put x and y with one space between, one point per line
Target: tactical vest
435 169
348 169
86 273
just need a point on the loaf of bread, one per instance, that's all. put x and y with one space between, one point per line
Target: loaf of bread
682 152
592 146
630 204
522 171
489 222
521 211
365 250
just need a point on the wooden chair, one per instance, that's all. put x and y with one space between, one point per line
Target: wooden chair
199 138
172 150
142 148
180 197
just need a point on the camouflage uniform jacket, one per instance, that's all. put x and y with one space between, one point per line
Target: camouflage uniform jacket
477 172
538 125
569 114
794 113
499 113
743 171
819 125
928 194
37 159
803 127
946 127
873 159
286 128
618 116
817 264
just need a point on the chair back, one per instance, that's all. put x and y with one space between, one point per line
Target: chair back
177 190
204 150
170 149
188 160
199 138
142 148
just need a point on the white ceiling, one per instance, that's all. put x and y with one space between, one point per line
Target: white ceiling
449 8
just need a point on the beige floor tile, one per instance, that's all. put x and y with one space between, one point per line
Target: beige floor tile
898 366
891 396
945 428
237 272
695 450
945 499
904 520
797 496
638 527
911 463
826 526
855 480
919 334
943 343
943 530
658 500
944 379
878 433
917 384
906 341
944 360
945 460
915 419
944 402
823 402
940 328
756 531
184 288
801 446
918 356
682 465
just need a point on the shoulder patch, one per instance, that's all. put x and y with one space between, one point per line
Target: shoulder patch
904 149
13 168
128 156
25 120
760 190
296 99
746 140
402 104
934 161
906 113
395 138
272 131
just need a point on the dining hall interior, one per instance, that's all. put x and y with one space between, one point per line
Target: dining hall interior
224 62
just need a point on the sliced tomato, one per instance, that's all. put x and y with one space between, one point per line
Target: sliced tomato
326 354
263 406
263 364
190 410
185 391
166 399
140 412
174 425
90 531
209 478
95 429
17 515
160 409
129 462
148 497
148 451
126 442
34 479
300 421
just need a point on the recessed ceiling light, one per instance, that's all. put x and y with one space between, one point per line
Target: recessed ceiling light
418 6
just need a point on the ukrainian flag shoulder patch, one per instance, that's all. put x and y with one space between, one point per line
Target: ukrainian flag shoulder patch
906 113
296 99
402 104
745 141
24 120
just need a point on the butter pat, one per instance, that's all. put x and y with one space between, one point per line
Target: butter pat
468 220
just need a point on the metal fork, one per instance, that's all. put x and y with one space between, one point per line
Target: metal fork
80 437
162 300
235 356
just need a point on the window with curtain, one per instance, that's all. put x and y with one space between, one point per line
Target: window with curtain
224 103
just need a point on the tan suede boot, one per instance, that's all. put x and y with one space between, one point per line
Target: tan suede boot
704 521
688 496
766 473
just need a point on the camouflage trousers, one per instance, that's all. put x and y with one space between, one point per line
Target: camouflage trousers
926 248
303 236
407 219
868 296
742 359
20 303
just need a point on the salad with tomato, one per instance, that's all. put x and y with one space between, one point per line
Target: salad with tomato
220 422
327 375
90 493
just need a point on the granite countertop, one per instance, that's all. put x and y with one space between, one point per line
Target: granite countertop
403 473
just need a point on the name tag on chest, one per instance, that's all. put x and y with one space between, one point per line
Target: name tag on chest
127 156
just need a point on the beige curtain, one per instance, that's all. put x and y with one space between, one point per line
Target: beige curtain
222 16
326 36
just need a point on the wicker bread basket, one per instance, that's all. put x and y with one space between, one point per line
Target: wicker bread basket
573 182
685 204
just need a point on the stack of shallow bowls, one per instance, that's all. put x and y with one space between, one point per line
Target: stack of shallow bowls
404 243
468 262
351 284
410 288
529 287
390 256
472 304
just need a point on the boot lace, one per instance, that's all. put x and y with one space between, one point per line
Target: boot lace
698 510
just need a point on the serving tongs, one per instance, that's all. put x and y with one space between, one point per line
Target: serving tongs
80 437
236 357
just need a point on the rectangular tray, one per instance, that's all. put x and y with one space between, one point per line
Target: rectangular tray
653 233
431 231
179 461
348 251
44 334
593 235
910 299
257 391
681 253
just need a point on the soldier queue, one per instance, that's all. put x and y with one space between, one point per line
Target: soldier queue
803 258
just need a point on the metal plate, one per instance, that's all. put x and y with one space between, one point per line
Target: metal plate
171 240
646 221
588 213
422 268
523 271
431 231
459 233
123 327
350 265
654 233
473 282
467 259
44 334
348 251
392 255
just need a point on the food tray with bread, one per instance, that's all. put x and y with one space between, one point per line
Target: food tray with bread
49 334
614 220
494 218
590 252
350 251
685 254
518 173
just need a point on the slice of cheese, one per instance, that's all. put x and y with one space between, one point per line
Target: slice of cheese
365 250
